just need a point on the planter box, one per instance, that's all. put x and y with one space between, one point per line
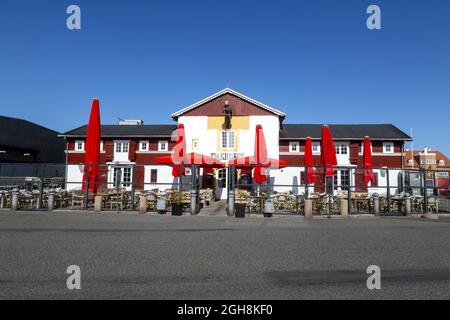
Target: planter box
239 210
177 209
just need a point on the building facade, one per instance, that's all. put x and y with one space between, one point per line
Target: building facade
131 148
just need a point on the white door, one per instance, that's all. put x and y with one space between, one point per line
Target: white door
221 184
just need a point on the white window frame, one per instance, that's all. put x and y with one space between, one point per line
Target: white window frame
362 147
386 145
317 146
339 146
410 162
141 145
77 142
430 161
121 146
101 146
295 144
160 144
442 163
230 139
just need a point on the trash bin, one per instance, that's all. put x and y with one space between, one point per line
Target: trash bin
161 205
268 208
239 210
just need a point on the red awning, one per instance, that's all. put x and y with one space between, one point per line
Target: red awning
367 162
92 155
259 160
327 152
309 161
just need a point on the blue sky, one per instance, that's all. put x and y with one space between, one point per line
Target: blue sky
314 60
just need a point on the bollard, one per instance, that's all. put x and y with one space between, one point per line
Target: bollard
143 203
230 203
98 203
2 199
51 200
308 209
344 208
193 202
376 204
15 200
407 206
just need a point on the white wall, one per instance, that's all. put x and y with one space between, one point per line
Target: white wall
197 128
74 177
164 176
382 182
288 176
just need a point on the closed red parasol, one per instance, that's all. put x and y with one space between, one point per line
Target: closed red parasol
260 160
327 152
309 161
179 157
92 155
367 162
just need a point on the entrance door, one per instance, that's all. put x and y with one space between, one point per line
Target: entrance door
341 179
123 175
221 184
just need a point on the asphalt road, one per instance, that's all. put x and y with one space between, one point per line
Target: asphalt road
163 257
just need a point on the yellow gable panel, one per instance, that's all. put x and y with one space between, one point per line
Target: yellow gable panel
237 123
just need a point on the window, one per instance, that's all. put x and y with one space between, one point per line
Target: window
101 146
122 176
162 146
442 163
79 145
228 140
154 176
430 161
442 174
410 162
388 147
341 149
121 147
294 147
126 177
143 146
316 147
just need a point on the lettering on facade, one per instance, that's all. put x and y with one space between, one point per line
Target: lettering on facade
226 156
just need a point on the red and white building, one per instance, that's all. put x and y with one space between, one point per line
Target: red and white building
132 146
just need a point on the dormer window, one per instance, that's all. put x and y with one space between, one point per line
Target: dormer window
410 162
441 163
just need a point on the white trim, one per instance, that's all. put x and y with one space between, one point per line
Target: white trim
147 143
392 145
230 91
296 144
292 153
166 142
83 145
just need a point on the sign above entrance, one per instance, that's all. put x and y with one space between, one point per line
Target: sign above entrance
226 156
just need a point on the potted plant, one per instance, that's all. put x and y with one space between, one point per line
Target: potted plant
177 203
240 204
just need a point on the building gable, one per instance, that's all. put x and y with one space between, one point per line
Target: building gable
239 104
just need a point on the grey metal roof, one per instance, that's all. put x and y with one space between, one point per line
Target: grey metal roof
344 131
23 134
154 130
